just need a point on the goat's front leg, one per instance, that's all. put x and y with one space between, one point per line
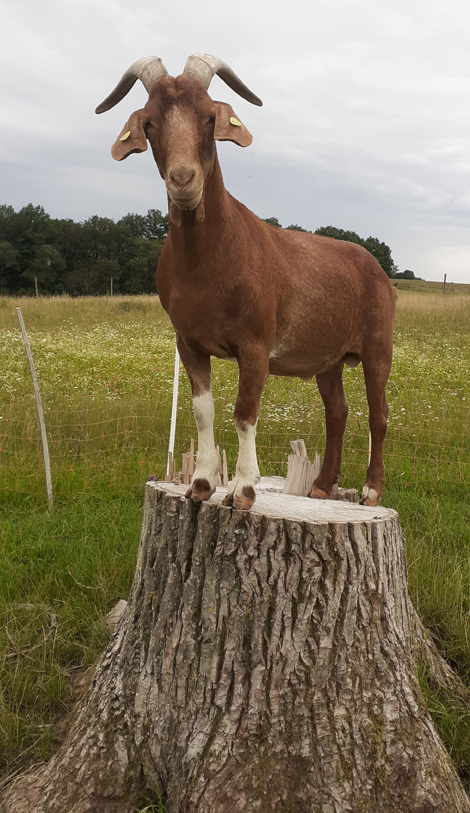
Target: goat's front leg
205 475
253 372
330 385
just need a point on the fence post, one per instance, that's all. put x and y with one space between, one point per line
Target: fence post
174 409
45 447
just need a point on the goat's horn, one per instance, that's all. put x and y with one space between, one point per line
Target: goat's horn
205 66
146 69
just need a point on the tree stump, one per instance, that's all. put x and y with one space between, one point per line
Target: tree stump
265 662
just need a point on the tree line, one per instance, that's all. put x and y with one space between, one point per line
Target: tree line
79 258
62 256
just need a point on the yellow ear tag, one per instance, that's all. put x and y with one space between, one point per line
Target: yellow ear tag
125 136
235 122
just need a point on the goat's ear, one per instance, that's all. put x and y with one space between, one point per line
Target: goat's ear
131 139
228 127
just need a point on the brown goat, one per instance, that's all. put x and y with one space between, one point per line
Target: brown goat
281 302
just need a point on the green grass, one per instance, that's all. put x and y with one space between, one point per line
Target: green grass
451 718
105 368
154 806
60 573
421 286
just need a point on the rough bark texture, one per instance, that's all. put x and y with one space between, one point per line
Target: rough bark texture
265 663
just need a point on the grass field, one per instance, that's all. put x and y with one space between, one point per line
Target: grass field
105 368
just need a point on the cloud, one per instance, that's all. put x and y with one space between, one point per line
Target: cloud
365 120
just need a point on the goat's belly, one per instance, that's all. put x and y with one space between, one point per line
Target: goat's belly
308 368
305 371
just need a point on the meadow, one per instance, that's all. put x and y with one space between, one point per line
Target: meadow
105 368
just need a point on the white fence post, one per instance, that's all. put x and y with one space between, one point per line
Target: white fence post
42 425
174 410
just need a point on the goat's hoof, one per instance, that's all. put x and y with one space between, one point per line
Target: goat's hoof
199 491
370 496
318 494
242 502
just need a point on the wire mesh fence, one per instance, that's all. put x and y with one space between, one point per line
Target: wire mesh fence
116 442
106 391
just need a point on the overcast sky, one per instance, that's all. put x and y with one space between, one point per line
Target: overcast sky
365 124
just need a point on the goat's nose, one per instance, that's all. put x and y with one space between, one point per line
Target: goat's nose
181 176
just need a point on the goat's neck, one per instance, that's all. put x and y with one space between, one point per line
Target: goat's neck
194 237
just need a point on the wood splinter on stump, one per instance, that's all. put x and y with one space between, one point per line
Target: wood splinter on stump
301 474
188 465
266 662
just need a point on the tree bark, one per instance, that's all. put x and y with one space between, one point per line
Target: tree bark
265 662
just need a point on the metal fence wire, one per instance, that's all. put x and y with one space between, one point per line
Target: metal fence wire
104 439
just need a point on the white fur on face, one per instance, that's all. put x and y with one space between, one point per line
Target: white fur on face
183 155
206 459
247 472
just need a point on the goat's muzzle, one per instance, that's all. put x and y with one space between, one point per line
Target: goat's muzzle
185 185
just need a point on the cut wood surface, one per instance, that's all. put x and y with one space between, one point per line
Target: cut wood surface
272 502
266 662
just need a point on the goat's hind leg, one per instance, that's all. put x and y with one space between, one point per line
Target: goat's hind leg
330 385
376 375
205 475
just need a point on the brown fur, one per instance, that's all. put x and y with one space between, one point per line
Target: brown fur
200 490
242 503
281 302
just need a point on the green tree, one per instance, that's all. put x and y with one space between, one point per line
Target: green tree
339 234
153 255
157 225
8 267
135 280
153 225
295 227
382 253
137 224
26 230
48 266
407 274
7 221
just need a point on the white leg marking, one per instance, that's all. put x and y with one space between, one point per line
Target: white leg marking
247 472
371 494
206 458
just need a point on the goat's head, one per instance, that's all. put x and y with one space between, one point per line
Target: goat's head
181 122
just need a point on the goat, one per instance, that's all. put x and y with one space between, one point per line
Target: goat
282 302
